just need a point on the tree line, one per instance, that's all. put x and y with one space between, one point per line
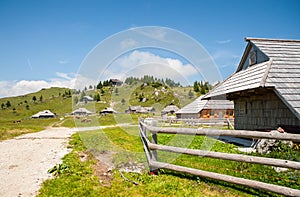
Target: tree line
151 79
202 86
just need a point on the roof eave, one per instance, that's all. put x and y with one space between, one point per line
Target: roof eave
287 104
244 57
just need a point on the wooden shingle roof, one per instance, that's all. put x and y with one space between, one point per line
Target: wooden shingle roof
170 108
280 71
194 107
199 104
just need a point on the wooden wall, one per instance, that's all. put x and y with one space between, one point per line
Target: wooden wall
262 112
208 113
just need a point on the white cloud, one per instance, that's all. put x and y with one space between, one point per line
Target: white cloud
16 88
139 63
223 41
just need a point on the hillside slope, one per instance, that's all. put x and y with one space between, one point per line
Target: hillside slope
15 112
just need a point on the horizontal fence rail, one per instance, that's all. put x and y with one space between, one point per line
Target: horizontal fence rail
228 156
152 147
231 179
215 132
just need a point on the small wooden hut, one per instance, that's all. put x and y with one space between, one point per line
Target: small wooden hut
44 114
81 112
169 110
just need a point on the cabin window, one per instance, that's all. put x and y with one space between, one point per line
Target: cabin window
242 108
252 59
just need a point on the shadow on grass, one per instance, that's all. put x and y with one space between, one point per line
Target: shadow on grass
212 182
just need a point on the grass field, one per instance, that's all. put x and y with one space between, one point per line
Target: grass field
80 180
77 178
124 142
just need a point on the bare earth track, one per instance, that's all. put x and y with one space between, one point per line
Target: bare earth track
25 160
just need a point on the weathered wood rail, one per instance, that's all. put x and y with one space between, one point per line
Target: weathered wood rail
201 121
152 147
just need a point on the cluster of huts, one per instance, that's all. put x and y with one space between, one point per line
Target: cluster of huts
262 94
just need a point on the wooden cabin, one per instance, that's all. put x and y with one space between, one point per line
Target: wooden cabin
200 108
266 86
139 110
81 112
44 114
169 110
115 82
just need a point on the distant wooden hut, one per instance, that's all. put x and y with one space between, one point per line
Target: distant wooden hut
81 112
44 114
169 110
139 110
87 99
115 82
107 110
266 86
200 108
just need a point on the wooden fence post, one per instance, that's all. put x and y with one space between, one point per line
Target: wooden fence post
154 170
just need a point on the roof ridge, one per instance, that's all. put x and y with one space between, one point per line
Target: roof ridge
271 39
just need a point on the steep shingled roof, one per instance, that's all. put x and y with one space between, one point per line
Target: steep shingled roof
281 71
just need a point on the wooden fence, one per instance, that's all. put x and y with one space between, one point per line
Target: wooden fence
200 121
151 148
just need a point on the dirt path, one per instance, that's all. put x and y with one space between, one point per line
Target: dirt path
25 160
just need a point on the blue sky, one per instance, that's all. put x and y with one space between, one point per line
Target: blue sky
43 43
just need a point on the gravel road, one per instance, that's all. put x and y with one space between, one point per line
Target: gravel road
25 160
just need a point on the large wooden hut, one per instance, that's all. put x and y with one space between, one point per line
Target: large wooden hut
266 86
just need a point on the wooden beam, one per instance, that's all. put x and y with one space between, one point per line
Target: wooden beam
234 133
228 156
231 179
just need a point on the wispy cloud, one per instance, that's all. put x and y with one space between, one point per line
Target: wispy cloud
128 43
224 54
65 75
223 41
153 33
29 64
63 61
226 58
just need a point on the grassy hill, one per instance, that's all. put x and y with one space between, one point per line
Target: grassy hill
22 107
60 102
150 95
